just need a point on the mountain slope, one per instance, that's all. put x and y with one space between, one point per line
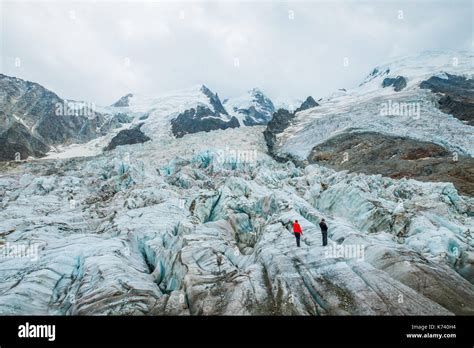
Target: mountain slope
32 119
396 100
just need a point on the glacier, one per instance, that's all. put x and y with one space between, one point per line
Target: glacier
199 222
184 227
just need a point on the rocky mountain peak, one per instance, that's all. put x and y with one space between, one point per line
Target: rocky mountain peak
214 100
123 101
307 104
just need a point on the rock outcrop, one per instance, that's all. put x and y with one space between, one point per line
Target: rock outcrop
127 137
395 157
282 120
457 95
307 104
201 119
398 83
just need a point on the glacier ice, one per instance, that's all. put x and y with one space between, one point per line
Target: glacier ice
172 228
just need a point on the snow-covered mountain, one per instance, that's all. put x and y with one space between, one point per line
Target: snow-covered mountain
186 111
409 118
33 119
160 223
252 108
36 122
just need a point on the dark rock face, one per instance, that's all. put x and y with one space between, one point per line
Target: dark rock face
48 118
280 121
396 157
461 109
127 137
307 104
398 83
214 100
124 101
18 139
201 119
453 84
457 95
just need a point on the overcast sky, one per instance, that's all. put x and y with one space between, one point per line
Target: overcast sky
100 50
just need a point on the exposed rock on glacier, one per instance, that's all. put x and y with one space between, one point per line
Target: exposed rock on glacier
127 137
457 95
398 83
183 227
201 119
280 121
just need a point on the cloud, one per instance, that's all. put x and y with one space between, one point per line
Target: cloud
99 51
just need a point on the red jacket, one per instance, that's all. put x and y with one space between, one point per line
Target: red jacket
297 228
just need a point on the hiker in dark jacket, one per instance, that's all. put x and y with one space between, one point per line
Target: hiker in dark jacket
298 232
324 231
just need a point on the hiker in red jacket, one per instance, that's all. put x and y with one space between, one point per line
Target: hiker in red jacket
298 232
